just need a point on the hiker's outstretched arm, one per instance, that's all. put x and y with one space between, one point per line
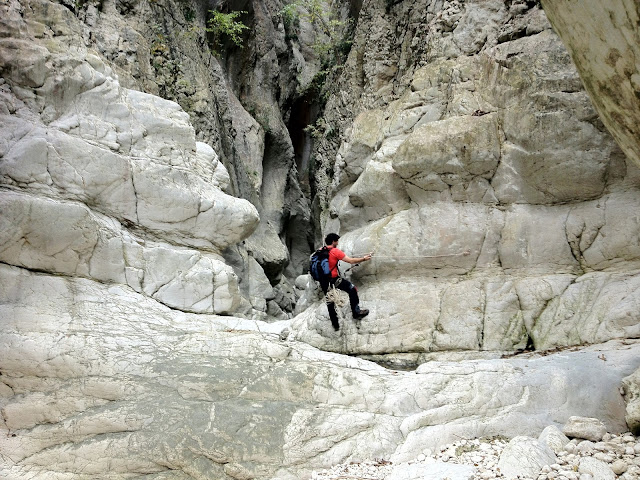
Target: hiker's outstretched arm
357 259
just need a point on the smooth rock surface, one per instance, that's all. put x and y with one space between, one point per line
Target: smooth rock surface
94 370
586 428
524 457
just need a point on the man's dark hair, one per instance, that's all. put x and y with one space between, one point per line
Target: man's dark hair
332 237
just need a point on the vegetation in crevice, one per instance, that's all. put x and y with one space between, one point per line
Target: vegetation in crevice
225 26
332 40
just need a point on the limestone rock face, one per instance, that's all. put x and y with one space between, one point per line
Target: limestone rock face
492 196
102 182
147 148
473 165
98 379
604 43
241 101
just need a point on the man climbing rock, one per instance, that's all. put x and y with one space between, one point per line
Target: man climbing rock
334 279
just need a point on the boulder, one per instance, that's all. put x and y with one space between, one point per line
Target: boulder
553 438
598 469
631 393
586 428
524 457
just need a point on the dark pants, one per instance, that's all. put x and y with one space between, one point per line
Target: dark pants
346 286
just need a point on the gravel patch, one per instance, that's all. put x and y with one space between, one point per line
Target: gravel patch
620 453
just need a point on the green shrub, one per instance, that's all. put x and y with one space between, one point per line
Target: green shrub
330 43
226 24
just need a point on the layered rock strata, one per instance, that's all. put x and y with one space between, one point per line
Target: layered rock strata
107 183
498 208
163 48
119 233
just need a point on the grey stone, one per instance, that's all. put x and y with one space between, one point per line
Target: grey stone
597 469
524 456
631 393
584 427
619 467
553 438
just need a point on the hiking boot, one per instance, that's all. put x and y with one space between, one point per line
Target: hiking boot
360 314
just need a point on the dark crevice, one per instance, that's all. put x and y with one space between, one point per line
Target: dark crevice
304 111
530 347
512 35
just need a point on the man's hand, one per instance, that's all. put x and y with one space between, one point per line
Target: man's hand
356 260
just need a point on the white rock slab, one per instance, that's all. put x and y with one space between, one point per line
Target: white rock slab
586 428
525 457
89 364
433 471
598 469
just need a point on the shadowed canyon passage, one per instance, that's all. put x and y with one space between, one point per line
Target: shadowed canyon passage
161 191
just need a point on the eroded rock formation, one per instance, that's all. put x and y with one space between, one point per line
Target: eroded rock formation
110 184
604 41
142 240
100 380
475 168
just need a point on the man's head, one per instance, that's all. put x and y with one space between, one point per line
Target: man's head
332 237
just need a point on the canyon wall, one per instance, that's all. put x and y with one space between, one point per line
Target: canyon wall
158 201
469 159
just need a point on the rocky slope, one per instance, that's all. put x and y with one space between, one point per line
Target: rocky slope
157 203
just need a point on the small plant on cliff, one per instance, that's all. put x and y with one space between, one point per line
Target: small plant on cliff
329 41
331 45
321 129
225 24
